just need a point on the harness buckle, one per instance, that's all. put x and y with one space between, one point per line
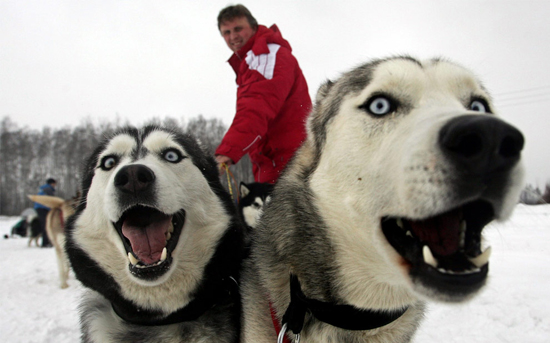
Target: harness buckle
281 338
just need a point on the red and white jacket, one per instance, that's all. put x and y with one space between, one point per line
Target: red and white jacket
272 105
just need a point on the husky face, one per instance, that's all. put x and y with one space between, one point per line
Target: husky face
254 196
151 220
418 163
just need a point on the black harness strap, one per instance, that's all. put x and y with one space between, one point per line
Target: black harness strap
228 288
346 317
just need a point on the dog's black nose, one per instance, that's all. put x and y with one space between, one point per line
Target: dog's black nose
481 144
134 178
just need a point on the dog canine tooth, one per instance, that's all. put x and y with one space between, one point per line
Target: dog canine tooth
482 259
409 233
168 236
429 257
132 259
164 254
399 223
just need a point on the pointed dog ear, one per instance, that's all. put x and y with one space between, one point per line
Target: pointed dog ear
243 189
323 90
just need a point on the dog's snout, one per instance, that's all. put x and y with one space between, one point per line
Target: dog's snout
481 144
134 178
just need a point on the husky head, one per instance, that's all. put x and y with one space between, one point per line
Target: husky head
254 196
410 163
152 216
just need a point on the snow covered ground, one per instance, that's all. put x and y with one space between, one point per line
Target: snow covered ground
514 307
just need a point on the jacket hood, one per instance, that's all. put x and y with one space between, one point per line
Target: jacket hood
258 43
266 36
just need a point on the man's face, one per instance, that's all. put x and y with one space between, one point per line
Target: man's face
236 33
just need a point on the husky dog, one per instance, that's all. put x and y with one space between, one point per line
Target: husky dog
254 197
60 211
34 229
157 241
383 206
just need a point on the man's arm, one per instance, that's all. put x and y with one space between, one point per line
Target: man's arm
259 100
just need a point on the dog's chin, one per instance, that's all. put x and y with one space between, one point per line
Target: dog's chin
444 252
149 237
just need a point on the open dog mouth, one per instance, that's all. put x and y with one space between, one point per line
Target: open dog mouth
149 236
444 251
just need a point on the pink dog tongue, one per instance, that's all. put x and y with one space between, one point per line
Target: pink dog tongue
441 233
147 235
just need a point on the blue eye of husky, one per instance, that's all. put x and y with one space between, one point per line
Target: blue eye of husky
108 162
479 105
379 105
172 155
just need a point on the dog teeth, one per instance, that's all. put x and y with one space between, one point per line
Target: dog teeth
429 257
164 254
482 259
132 258
171 228
168 236
463 272
399 223
409 234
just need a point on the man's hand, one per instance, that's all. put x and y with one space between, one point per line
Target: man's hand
221 159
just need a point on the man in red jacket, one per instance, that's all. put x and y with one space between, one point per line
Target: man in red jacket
272 96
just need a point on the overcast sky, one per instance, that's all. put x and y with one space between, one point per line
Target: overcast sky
62 61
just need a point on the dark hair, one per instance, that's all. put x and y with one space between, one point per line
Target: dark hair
236 11
50 181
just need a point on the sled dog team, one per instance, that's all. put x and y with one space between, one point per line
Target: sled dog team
381 209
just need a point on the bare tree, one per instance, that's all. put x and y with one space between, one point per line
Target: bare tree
545 198
28 157
210 133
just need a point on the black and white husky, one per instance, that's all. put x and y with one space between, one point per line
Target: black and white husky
254 196
383 206
157 241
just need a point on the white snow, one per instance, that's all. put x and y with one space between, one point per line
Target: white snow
514 307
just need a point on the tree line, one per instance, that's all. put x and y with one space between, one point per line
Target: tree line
28 156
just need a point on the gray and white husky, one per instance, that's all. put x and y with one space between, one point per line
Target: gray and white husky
157 241
383 206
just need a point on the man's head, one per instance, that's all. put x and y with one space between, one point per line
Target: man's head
51 182
237 26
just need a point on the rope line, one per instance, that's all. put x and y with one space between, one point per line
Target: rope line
231 177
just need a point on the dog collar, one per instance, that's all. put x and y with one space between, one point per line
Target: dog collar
226 288
346 317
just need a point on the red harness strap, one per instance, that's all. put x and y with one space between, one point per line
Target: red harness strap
276 323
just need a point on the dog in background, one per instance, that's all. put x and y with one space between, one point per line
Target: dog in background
254 197
34 229
60 211
382 207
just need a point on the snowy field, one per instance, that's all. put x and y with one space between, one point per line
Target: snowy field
514 307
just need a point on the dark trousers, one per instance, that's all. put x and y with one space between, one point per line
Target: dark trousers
42 214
